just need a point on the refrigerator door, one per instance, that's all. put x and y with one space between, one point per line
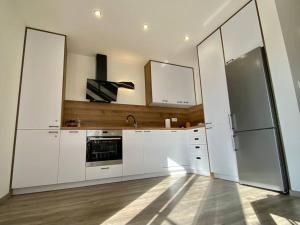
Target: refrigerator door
258 159
250 101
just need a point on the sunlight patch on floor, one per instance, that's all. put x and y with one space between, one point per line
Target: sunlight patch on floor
137 206
282 220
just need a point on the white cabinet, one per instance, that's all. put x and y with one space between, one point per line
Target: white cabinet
72 156
42 81
36 158
170 85
103 172
215 98
242 33
176 149
133 153
153 151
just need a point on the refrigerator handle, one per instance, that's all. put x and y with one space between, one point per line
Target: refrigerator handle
230 121
233 143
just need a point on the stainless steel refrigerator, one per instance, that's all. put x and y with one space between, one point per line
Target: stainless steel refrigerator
256 136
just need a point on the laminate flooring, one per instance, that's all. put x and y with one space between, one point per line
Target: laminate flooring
173 200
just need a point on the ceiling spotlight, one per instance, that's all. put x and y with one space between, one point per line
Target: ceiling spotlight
186 38
97 13
146 27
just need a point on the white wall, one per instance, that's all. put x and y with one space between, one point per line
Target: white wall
289 15
11 45
80 67
284 90
121 67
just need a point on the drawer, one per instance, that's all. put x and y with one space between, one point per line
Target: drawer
102 172
199 150
200 163
197 139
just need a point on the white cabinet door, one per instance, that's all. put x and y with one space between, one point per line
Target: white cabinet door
216 107
133 153
172 85
42 81
36 158
242 33
176 145
154 151
72 156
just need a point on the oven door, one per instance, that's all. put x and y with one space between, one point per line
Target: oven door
103 151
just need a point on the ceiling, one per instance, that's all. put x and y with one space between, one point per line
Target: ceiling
120 30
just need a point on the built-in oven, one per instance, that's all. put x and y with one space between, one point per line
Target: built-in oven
103 147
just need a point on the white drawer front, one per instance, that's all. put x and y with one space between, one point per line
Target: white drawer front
197 140
102 172
199 150
201 163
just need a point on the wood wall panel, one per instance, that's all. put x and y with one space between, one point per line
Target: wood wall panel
94 114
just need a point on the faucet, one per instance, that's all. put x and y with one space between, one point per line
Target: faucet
134 120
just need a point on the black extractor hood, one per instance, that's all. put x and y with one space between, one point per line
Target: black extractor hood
101 90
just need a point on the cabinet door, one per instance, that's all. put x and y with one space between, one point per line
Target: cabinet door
36 158
154 151
42 81
161 86
216 107
133 155
72 156
172 85
242 33
177 153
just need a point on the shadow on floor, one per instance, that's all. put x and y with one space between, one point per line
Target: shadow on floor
79 206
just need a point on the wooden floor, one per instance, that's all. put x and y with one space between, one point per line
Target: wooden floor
177 200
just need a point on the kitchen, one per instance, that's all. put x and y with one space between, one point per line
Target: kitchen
215 115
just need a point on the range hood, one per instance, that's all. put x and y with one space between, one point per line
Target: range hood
101 90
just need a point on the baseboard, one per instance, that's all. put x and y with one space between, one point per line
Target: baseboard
225 177
172 171
4 198
295 193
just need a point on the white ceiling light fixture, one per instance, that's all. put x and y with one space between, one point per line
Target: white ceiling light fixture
97 13
146 27
186 38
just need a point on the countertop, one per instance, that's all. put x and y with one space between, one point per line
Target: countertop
130 128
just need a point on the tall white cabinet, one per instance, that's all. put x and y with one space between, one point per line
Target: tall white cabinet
42 81
241 33
38 130
216 108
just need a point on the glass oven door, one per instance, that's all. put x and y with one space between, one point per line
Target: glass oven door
103 151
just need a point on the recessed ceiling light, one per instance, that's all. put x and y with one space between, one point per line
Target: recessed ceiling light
97 13
146 27
186 38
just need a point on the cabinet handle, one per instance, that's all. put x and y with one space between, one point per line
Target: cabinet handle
186 102
138 131
73 131
53 132
208 128
165 100
196 131
179 102
173 131
53 126
105 168
198 158
196 139
197 147
147 131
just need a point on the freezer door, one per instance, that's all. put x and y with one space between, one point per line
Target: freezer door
258 159
250 102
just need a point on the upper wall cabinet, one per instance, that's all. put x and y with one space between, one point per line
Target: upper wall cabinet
242 33
169 85
42 81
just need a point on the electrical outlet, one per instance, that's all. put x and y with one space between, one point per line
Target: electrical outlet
174 120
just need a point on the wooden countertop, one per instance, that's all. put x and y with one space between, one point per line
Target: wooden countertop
130 128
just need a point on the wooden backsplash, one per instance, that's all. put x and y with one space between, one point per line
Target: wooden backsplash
94 114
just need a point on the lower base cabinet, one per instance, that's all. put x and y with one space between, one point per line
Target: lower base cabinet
36 158
103 172
72 156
